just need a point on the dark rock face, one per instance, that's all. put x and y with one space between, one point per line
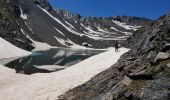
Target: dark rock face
9 25
150 79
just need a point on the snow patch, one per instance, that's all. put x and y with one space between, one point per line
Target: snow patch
50 67
8 50
114 29
124 25
69 24
102 30
89 29
23 16
126 33
59 31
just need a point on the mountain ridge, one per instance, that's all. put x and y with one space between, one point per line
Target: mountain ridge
75 31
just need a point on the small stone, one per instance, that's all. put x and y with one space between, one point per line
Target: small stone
128 94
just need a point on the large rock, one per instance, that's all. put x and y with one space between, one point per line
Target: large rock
168 65
162 56
140 73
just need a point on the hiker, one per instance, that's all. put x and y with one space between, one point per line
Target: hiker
116 46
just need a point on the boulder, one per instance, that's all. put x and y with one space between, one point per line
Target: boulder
139 72
126 81
162 56
168 65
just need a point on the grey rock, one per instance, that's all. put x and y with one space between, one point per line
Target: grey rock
162 56
126 81
168 65
157 89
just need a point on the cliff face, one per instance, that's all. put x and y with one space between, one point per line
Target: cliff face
10 24
143 73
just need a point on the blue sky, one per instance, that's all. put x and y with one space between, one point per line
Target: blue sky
103 8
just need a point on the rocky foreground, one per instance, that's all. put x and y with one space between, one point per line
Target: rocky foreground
141 74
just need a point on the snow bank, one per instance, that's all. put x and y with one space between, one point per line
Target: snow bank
7 50
8 77
50 86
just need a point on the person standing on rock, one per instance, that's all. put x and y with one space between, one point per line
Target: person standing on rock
116 46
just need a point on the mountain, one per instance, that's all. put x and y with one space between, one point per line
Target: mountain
143 73
37 24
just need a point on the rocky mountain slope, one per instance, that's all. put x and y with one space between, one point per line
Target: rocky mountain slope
9 24
143 73
36 22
